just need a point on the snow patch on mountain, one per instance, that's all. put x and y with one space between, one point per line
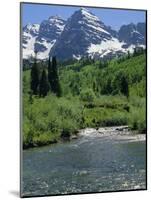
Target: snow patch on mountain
132 47
77 57
89 15
97 28
31 28
41 38
28 48
30 33
48 45
106 47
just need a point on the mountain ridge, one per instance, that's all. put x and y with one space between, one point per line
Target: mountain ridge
83 34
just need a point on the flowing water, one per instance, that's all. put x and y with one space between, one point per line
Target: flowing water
87 164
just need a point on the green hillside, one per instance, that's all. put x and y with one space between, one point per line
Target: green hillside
94 94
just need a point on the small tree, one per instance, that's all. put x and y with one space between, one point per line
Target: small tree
135 52
108 86
128 54
44 85
120 84
124 86
103 64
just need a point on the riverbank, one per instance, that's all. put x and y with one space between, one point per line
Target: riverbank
118 133
115 132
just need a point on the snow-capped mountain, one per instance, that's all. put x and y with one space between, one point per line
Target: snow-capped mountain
83 34
30 32
82 30
44 37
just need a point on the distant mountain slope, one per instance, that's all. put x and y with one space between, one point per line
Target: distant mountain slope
49 32
133 34
45 37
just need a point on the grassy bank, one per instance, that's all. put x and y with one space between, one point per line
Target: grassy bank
91 97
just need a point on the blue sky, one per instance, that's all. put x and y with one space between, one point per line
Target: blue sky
36 13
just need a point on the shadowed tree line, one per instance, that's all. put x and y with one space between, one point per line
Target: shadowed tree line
45 81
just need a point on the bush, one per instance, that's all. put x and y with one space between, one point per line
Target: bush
47 118
105 117
87 95
44 139
137 119
27 136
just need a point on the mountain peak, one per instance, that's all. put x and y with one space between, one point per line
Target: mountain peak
83 34
32 28
86 13
82 9
28 26
55 17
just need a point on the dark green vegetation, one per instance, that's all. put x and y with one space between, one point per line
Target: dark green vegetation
59 99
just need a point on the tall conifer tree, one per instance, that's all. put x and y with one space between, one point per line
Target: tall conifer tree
34 78
44 84
124 86
50 73
53 77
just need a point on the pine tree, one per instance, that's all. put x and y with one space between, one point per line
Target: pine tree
44 84
34 78
109 86
50 74
128 54
55 85
135 52
124 86
120 84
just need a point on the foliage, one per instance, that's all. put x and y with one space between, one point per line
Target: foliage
91 94
49 116
120 84
137 119
87 95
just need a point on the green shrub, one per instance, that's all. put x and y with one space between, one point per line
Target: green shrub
44 139
105 117
87 95
46 118
137 119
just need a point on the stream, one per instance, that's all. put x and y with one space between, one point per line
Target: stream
108 159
